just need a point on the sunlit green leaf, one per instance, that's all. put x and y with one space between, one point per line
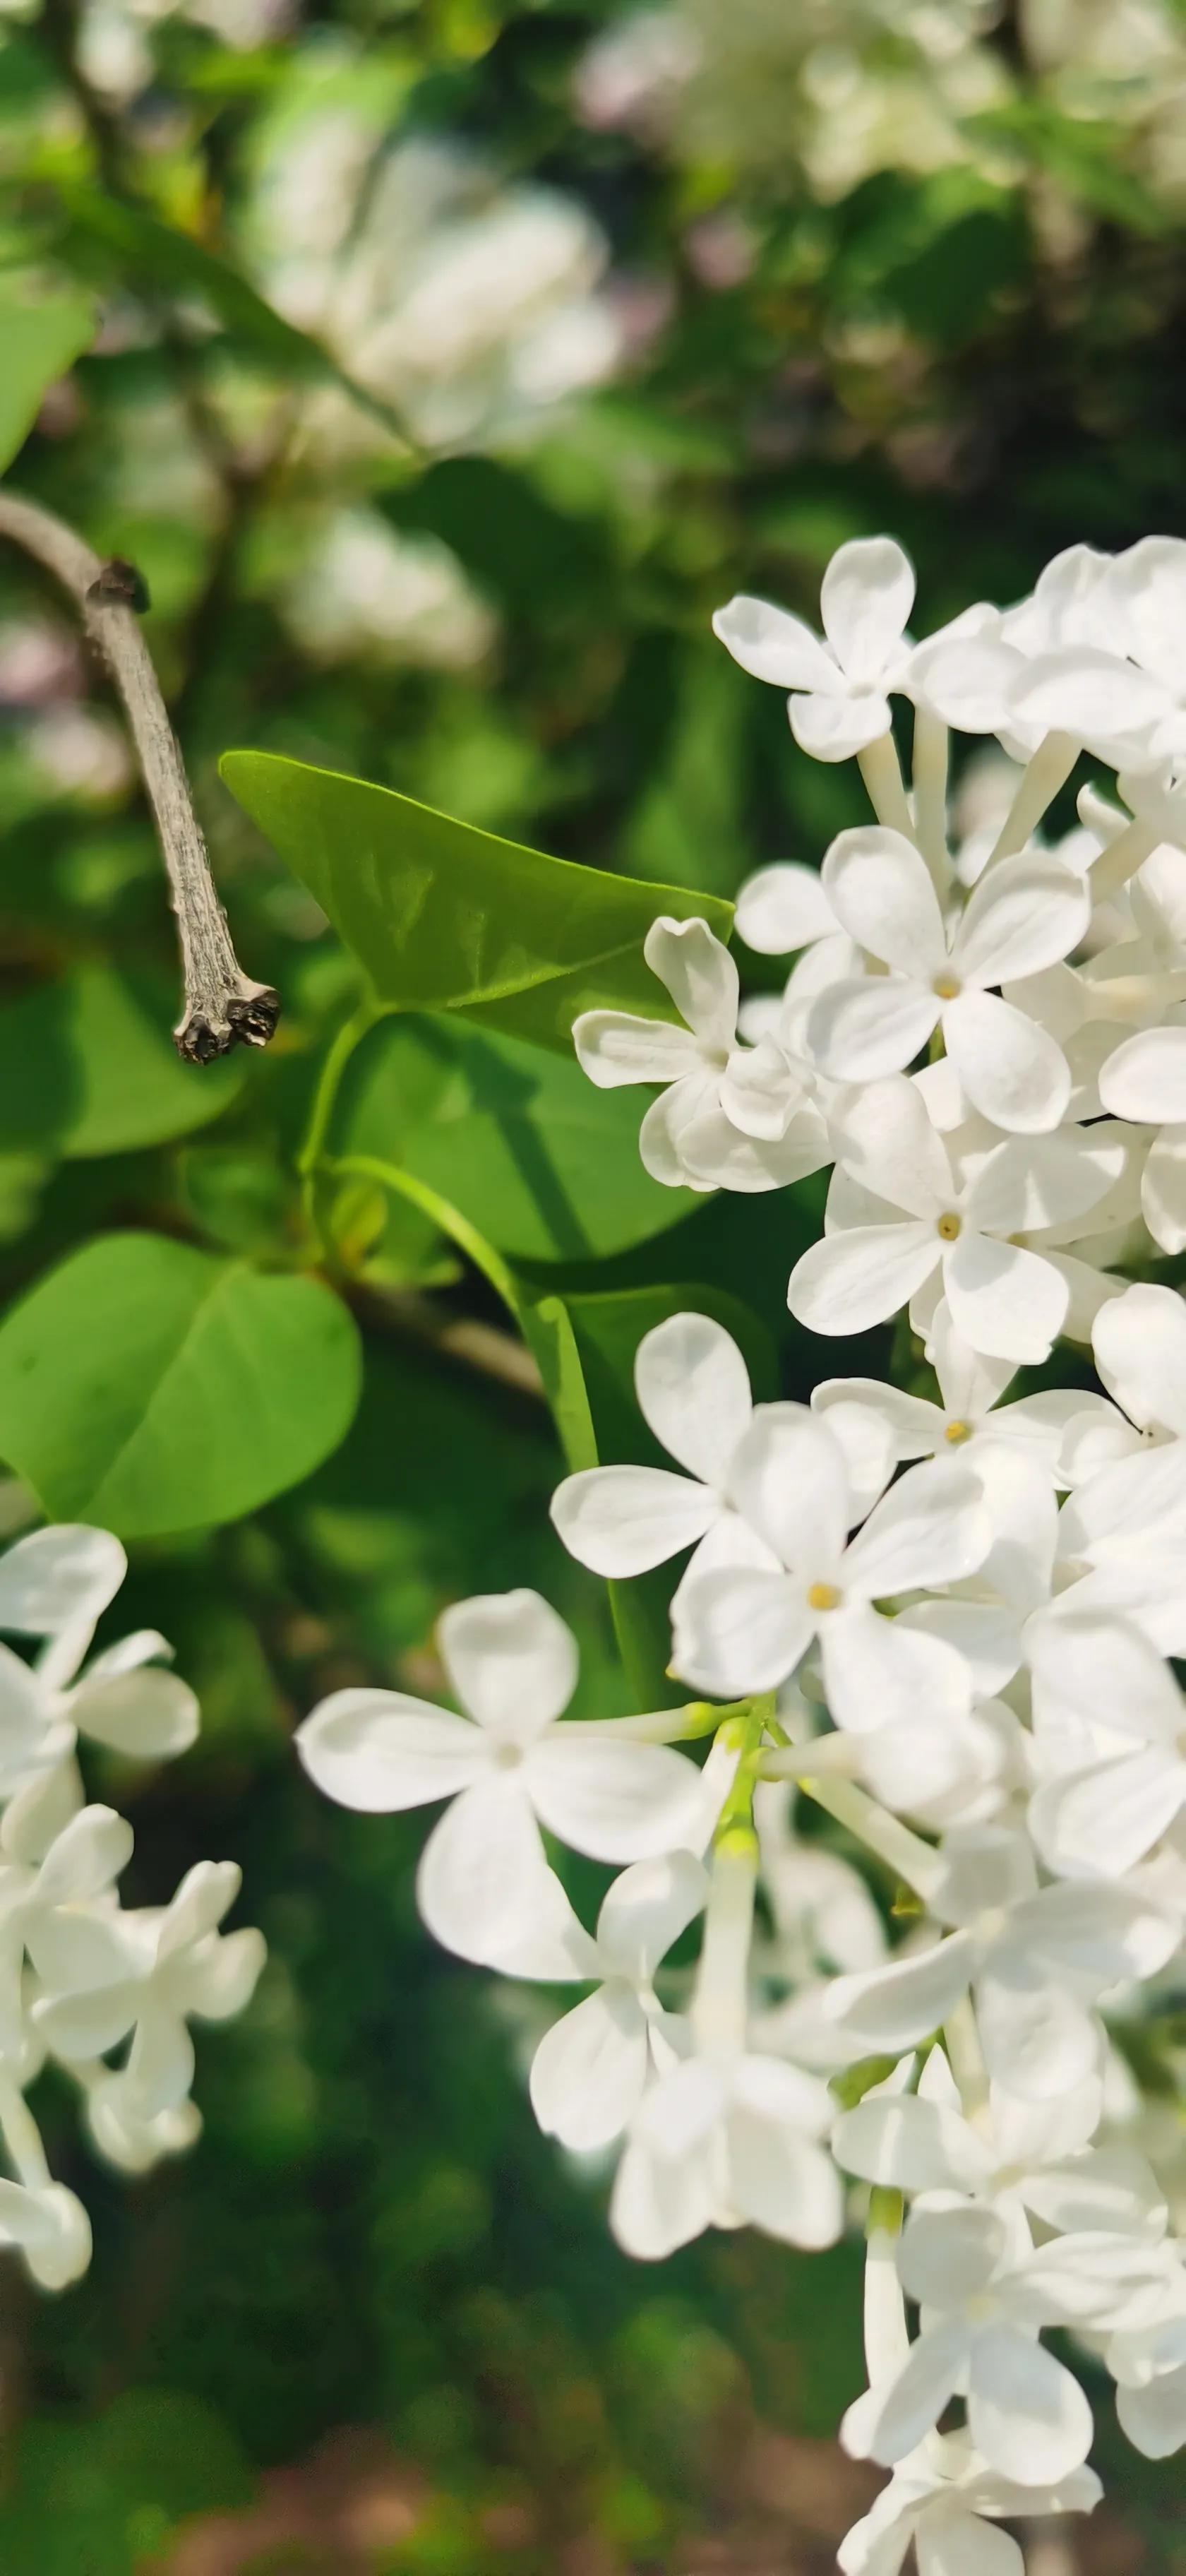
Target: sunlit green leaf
148 1387
544 1164
40 338
443 917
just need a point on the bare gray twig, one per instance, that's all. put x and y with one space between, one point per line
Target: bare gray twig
223 1007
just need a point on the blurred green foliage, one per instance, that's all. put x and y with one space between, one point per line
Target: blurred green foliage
256 1315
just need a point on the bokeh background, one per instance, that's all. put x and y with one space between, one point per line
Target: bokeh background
638 307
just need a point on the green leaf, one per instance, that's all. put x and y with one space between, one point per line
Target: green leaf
148 249
87 1067
151 1388
585 1347
41 336
443 917
542 1163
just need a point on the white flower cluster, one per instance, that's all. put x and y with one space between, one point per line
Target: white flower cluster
80 1974
941 1611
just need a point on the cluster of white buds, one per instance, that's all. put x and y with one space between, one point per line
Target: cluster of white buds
941 1613
81 1976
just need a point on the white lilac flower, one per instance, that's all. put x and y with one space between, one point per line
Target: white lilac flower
1025 914
507 1767
1037 1958
1116 1720
719 2142
694 1394
949 2502
745 1628
913 1218
984 2296
54 1585
840 688
1148 2364
727 1115
107 1974
592 2068
1037 2156
970 1415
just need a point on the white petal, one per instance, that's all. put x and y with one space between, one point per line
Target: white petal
694 1393
783 907
889 2421
951 2543
85 1858
930 1529
148 1714
891 2008
915 1427
1154 2418
790 1482
512 1663
1092 696
377 1751
886 1141
700 976
948 2256
205 1894
1146 1078
865 1436
1163 1189
52 2229
87 2024
876 1025
781 2183
865 599
736 1632
160 2067
686 1109
848 1282
773 646
1100 1823
877 1672
220 1980
57 1578
482 1882
589 2070
659 2202
615 1047
1024 915
623 1520
1109 1675
985 1868
1012 1070
614 1800
1095 1937
882 894
1005 1300
1139 1343
1026 2414
831 727
646 1910
910 2145
1037 2040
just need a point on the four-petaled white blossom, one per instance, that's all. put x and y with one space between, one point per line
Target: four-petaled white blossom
508 1767
839 689
1024 915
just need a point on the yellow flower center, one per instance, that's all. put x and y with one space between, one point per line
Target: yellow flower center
948 1225
824 1596
946 987
957 1433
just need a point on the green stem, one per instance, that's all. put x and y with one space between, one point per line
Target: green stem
312 1153
369 1167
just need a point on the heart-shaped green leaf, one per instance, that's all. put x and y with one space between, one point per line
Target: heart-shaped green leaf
150 1388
